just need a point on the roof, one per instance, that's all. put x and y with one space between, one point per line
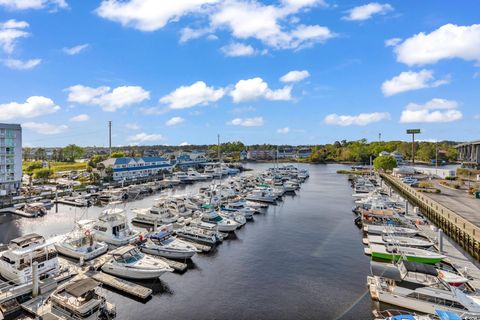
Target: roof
467 143
420 268
80 287
385 270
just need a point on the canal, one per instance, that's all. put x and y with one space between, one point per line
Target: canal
302 259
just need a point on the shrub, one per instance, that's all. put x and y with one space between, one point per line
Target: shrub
425 184
451 178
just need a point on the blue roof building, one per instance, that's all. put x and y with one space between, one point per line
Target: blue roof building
126 168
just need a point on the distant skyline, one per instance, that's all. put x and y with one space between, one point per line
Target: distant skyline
297 72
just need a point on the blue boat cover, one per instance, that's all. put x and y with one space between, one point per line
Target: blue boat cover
159 235
402 317
447 315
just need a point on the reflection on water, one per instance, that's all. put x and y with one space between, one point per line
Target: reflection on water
302 259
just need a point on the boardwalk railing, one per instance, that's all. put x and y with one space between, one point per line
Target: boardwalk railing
465 233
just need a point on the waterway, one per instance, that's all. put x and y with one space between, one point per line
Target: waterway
302 259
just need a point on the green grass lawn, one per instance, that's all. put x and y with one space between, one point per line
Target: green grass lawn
59 166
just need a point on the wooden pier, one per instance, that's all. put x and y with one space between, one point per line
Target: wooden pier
175 265
462 231
199 246
131 288
71 203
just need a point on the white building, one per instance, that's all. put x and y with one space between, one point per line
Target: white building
125 168
10 158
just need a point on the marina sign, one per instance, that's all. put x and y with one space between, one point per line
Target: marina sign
413 131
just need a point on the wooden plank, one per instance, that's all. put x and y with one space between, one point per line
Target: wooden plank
176 265
123 285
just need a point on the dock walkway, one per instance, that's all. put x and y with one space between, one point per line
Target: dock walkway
123 285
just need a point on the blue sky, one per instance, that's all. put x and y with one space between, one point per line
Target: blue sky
286 71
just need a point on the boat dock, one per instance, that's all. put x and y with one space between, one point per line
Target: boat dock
70 203
175 265
131 288
199 246
18 212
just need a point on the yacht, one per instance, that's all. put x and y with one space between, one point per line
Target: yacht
400 241
390 230
233 215
16 261
164 244
80 299
80 244
195 175
113 228
261 196
244 211
154 215
419 289
128 262
183 177
223 224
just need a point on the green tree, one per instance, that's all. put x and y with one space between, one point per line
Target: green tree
33 166
40 154
42 174
72 152
94 177
118 154
384 163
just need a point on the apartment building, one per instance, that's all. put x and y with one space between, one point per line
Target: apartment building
10 159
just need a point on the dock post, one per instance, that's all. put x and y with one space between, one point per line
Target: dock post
56 199
440 240
406 207
35 279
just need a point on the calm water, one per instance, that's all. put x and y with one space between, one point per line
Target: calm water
302 259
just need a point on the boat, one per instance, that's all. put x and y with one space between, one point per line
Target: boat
16 262
165 244
400 241
195 175
223 224
36 209
80 244
389 230
128 262
80 299
154 215
198 234
261 196
392 252
113 228
419 289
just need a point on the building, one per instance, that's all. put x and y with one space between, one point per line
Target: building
126 168
398 156
469 153
10 159
304 153
287 153
185 160
243 155
260 154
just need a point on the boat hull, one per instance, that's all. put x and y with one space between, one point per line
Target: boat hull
390 256
172 254
132 273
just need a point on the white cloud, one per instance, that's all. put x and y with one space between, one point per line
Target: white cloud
247 122
411 80
283 130
45 128
109 100
238 50
362 119
435 110
80 118
447 42
190 96
33 107
392 42
256 88
187 34
76 49
295 76
132 126
183 144
154 111
243 110
174 121
144 137
476 117
367 11
10 31
149 15
32 4
20 64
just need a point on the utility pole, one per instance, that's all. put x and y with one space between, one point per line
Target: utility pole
436 158
110 137
218 147
413 132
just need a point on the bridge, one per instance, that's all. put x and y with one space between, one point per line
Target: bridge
469 153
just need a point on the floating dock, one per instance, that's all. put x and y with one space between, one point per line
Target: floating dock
175 265
199 246
128 287
71 203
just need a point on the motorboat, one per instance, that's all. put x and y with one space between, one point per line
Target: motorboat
400 241
223 224
261 196
129 262
183 177
244 211
390 230
81 244
112 227
16 262
199 234
37 209
393 252
80 299
422 291
195 175
154 215
165 244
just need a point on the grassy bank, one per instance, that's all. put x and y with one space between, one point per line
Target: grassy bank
59 166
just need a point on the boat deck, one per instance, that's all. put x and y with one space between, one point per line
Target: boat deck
455 257
123 285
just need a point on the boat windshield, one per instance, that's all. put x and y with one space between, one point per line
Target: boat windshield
131 256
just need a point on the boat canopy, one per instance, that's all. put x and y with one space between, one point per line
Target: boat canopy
160 235
385 270
79 288
403 317
447 315
419 267
207 206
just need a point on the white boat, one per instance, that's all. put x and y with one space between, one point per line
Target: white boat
164 244
223 224
261 196
16 261
390 230
400 241
128 262
195 175
80 299
199 234
159 215
244 211
417 292
113 228
183 177
80 244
